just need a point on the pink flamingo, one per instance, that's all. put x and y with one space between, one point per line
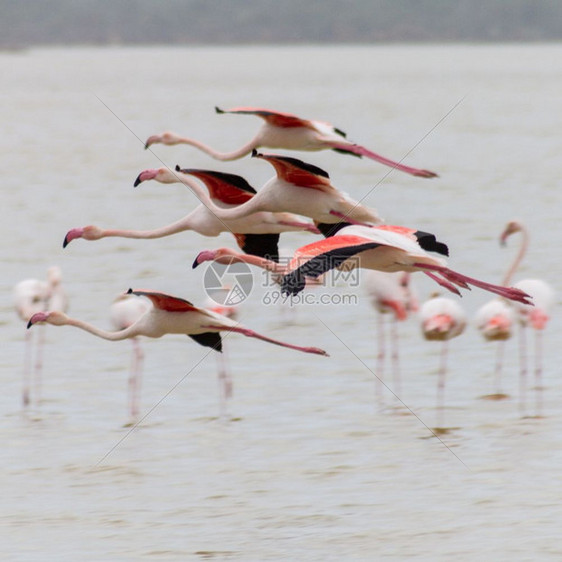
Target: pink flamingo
31 296
124 312
535 317
257 233
169 315
384 248
391 295
299 188
442 319
495 322
287 131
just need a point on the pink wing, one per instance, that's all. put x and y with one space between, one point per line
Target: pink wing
275 118
310 251
228 188
166 302
297 172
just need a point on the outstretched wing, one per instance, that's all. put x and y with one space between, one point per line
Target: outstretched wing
297 172
166 302
228 188
319 257
275 118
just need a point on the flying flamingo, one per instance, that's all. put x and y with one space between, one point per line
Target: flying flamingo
124 312
31 296
299 188
257 233
442 319
535 317
391 294
169 315
384 248
286 131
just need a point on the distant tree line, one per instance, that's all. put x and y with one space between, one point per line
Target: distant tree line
98 22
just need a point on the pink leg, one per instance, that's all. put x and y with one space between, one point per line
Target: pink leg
27 367
380 360
225 382
443 283
303 225
538 372
394 342
135 379
522 369
441 384
38 375
362 151
460 279
499 367
346 218
251 334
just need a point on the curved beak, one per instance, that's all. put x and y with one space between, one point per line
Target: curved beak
71 235
205 255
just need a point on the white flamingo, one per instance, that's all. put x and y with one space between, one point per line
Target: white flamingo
536 316
442 319
31 296
391 294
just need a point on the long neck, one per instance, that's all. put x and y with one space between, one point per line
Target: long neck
223 156
518 258
129 332
263 263
178 226
241 211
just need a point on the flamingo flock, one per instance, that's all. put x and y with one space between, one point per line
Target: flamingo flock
300 197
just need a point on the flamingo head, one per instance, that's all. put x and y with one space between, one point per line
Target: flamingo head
221 255
510 228
168 138
55 318
89 232
161 175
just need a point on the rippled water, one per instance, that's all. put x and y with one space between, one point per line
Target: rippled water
308 469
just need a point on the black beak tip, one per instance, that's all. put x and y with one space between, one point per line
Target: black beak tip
137 181
65 242
130 291
195 263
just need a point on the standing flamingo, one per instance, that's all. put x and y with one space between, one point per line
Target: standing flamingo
31 296
124 312
169 315
257 233
299 188
536 316
495 322
442 319
286 131
391 295
384 248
